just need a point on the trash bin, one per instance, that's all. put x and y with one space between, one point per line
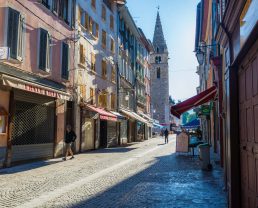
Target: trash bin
204 152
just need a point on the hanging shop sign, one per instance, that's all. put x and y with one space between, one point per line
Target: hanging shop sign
205 110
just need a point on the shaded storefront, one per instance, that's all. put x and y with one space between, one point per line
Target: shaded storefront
99 128
37 116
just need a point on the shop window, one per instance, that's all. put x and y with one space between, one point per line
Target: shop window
65 61
44 50
3 121
15 37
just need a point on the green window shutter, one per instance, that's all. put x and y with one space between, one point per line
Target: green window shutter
65 61
43 49
13 24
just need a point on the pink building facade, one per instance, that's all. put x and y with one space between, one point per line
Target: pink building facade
36 78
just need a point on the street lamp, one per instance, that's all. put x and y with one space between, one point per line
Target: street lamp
201 52
200 56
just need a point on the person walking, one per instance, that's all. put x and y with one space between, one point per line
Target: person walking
166 136
70 137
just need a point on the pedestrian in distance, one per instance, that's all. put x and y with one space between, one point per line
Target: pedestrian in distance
166 136
70 137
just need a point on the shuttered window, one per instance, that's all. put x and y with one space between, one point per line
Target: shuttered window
86 25
15 37
104 39
111 22
44 50
82 54
104 69
93 62
103 13
65 61
113 101
92 96
112 45
113 74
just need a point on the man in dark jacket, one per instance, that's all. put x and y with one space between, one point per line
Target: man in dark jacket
70 137
166 136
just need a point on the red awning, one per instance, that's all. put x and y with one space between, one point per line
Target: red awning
103 115
194 101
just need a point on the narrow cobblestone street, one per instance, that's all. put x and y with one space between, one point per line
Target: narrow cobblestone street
147 174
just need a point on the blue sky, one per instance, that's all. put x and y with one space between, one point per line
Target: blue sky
178 21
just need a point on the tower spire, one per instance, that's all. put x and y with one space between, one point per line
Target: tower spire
159 42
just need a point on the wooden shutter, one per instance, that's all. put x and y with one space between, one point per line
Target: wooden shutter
97 30
104 68
86 21
111 22
82 55
93 61
65 61
12 38
43 49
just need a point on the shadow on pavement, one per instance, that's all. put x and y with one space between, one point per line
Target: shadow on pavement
170 181
29 166
110 150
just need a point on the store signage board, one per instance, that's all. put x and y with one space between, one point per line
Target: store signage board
182 142
4 53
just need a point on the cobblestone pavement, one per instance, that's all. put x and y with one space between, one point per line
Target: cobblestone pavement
147 174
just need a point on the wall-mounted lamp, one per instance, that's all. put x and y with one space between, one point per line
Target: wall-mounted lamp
200 53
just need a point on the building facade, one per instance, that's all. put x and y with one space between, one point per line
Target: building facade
160 76
96 74
233 28
37 76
